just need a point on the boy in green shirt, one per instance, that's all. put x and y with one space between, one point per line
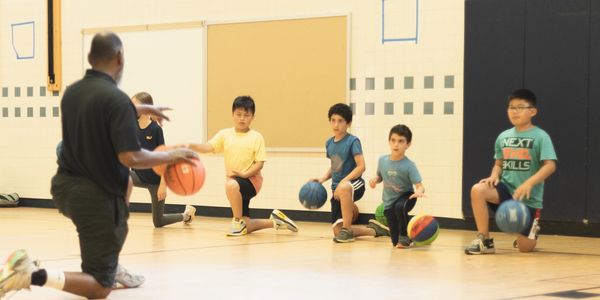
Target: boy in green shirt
524 157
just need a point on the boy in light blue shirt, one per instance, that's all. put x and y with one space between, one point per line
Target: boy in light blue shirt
347 165
399 174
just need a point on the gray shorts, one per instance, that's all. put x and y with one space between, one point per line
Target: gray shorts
101 222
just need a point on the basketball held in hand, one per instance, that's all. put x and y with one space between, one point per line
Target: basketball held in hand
185 178
512 216
312 195
160 169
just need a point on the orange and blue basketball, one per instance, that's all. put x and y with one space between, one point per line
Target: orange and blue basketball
512 216
312 195
379 216
423 229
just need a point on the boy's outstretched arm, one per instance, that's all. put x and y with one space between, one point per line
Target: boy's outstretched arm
202 148
494 178
253 170
325 177
419 191
374 181
524 190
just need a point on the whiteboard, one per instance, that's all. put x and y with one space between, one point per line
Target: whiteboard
170 65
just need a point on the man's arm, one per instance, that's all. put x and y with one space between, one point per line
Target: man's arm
145 159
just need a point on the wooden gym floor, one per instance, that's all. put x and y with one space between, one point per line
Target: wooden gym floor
200 262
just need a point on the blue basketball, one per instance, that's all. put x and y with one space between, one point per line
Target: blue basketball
58 149
312 195
512 216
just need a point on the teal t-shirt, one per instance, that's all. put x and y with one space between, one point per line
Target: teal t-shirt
522 154
398 176
341 154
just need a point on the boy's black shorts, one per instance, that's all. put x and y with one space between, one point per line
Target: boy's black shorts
248 192
358 190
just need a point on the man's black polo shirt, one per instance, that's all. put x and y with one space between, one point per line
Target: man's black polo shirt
98 122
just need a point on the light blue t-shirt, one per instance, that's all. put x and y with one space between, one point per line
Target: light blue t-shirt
341 154
522 155
398 176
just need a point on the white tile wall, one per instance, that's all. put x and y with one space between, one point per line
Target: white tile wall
28 143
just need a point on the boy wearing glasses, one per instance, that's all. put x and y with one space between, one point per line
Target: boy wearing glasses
524 157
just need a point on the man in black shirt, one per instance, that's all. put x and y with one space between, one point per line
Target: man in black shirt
100 144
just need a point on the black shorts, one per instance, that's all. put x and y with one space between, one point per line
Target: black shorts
101 222
358 190
533 228
248 192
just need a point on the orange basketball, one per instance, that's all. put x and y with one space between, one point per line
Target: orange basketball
160 169
184 178
355 213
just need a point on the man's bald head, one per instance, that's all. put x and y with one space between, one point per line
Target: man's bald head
106 46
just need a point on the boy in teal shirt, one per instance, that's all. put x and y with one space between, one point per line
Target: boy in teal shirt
524 157
346 169
399 174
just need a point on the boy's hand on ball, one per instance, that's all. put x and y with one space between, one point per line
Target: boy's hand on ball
315 180
523 191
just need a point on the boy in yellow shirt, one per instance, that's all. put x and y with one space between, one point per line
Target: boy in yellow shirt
244 154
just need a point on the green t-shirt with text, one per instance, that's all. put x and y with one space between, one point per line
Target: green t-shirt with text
522 155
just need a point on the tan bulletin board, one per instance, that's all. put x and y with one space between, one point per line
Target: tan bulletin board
294 69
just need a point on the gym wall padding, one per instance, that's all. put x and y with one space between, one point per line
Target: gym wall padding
557 63
493 67
556 68
593 174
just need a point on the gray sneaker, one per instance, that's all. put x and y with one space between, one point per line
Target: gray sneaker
9 200
404 242
16 272
344 236
481 245
126 279
380 229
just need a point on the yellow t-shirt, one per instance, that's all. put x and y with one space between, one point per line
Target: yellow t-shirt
240 151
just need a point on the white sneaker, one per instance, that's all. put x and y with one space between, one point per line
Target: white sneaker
238 227
126 279
188 214
282 221
16 272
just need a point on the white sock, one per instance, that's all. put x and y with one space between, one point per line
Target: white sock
56 279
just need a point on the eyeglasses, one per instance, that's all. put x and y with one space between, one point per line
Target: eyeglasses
518 108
